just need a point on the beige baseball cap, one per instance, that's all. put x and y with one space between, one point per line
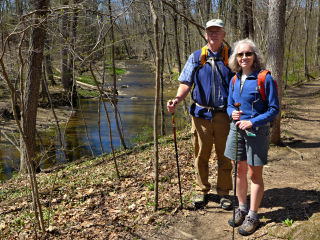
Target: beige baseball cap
215 23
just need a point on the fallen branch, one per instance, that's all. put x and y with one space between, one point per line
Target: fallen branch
10 140
295 151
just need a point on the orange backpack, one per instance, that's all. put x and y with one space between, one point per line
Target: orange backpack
261 83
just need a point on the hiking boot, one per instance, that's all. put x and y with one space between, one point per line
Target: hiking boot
238 218
225 203
200 200
249 226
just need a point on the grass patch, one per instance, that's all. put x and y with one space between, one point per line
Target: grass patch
288 222
145 135
119 71
87 93
86 79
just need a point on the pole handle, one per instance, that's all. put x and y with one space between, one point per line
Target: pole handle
237 106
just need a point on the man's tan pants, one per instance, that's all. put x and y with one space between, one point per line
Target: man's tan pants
205 133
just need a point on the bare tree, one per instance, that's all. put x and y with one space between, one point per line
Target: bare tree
65 70
249 10
114 74
162 53
307 16
31 93
318 38
234 20
275 53
156 104
244 24
176 37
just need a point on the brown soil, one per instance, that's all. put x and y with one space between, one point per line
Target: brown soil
292 182
45 115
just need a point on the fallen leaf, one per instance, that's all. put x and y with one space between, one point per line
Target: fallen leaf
2 225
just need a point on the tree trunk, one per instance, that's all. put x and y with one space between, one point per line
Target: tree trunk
307 16
221 9
162 56
114 93
318 38
185 28
175 21
244 24
31 96
275 54
30 104
156 103
65 70
208 7
48 63
234 20
292 33
249 10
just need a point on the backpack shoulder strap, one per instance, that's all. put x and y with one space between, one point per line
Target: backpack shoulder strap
204 55
261 83
225 55
233 81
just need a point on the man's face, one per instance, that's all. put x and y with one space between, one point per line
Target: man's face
215 36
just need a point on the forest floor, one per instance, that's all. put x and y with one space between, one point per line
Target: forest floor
86 200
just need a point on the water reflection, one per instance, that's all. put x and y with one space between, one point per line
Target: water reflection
135 106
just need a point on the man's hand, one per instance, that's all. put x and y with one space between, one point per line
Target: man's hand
171 105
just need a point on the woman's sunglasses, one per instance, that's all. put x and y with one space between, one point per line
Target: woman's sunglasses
248 54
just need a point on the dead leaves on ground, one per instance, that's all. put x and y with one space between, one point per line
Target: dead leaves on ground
88 201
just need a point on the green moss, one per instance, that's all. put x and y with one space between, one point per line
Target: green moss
119 71
86 79
87 93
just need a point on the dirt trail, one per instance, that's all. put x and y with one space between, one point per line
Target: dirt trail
292 180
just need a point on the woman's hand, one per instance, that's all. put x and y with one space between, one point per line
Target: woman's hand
236 115
244 124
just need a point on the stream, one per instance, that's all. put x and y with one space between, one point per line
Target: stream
135 105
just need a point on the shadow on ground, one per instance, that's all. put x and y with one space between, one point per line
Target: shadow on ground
290 203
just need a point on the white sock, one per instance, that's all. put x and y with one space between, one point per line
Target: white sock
243 207
253 214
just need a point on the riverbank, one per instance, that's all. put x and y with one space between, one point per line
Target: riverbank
135 104
86 200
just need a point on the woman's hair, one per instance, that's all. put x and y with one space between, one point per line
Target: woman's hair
257 62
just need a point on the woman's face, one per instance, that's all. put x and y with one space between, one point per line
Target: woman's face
245 57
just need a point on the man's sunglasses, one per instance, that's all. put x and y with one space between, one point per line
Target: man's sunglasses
248 54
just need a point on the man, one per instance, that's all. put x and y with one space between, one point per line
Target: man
207 73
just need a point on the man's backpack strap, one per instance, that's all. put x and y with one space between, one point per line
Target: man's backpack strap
204 55
224 54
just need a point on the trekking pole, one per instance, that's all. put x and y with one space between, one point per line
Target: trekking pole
177 158
237 105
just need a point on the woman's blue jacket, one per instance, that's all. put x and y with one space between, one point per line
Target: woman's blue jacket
254 108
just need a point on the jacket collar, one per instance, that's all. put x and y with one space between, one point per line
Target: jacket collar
254 74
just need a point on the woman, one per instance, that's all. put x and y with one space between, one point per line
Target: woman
253 123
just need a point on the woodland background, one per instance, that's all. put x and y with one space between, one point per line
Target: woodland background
47 44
